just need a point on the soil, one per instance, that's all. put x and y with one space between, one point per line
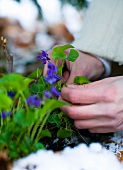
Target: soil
81 136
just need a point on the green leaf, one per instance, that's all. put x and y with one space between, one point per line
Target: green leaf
5 102
17 130
14 81
50 105
81 80
73 55
58 52
28 141
39 145
24 148
13 154
25 119
12 145
3 141
36 74
41 80
37 88
63 133
45 133
59 55
54 118
27 81
5 137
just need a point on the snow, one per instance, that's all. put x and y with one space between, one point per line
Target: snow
25 12
51 11
81 157
117 142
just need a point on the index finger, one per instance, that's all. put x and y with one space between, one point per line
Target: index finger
81 95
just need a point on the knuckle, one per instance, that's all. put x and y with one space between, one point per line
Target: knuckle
109 94
116 129
117 125
111 111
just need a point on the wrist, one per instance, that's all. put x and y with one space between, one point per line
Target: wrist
105 63
107 66
95 67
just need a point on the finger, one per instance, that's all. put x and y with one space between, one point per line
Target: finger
94 123
102 130
85 112
85 95
60 98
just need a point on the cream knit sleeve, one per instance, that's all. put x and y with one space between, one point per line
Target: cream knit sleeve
102 30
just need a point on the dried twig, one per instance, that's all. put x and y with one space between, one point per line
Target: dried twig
9 57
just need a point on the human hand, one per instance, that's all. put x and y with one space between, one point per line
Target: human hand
97 106
85 65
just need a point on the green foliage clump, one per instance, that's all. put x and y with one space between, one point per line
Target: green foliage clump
26 115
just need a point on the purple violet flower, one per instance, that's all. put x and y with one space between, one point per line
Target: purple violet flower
52 79
47 94
54 91
50 73
11 94
5 114
52 76
57 77
33 101
43 57
52 67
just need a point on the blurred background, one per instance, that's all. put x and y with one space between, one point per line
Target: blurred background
34 25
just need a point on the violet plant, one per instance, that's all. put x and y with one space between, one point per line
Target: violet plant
29 109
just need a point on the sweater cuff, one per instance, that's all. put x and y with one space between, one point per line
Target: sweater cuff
107 65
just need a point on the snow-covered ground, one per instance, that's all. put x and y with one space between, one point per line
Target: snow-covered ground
81 157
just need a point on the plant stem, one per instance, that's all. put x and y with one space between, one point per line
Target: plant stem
19 104
29 130
24 99
19 137
9 57
60 72
42 125
35 128
1 122
82 137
